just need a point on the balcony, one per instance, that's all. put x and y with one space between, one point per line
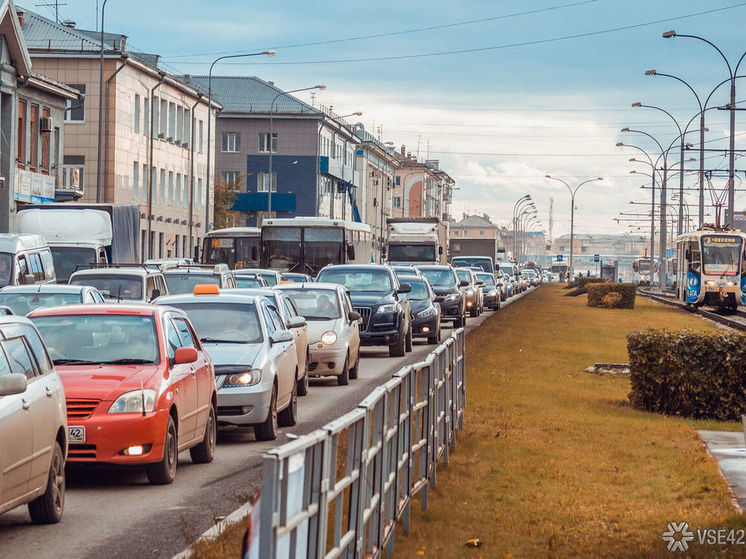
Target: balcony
335 168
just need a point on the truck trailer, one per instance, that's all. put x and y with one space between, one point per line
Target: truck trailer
416 240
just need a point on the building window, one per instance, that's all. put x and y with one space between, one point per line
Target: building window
135 180
76 107
230 177
264 142
263 182
187 127
396 202
163 132
47 115
146 116
178 189
144 193
231 142
397 181
170 188
163 186
21 160
455 233
156 116
179 124
481 233
137 113
73 175
171 122
201 126
33 132
199 191
161 245
185 198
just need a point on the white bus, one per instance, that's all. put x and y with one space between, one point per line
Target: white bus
238 247
307 244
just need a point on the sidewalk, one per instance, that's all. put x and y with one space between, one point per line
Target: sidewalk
729 449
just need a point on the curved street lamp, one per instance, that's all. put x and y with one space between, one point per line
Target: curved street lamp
573 191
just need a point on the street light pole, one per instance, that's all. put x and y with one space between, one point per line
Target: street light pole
209 123
522 200
100 107
270 142
572 213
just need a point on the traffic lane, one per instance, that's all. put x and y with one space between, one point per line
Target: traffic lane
115 512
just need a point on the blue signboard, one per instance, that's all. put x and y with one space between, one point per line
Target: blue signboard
559 258
596 257
692 287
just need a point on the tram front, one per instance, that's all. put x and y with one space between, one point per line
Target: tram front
723 279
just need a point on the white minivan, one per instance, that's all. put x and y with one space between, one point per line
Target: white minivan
33 424
24 260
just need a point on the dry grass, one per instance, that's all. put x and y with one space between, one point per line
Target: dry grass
553 462
227 545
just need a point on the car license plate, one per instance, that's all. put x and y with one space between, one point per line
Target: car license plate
76 434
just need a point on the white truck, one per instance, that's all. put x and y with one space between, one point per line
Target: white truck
83 234
416 240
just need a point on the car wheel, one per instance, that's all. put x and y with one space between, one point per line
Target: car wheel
47 508
344 378
204 452
459 322
435 338
267 431
399 348
303 383
408 341
289 416
164 472
474 311
354 371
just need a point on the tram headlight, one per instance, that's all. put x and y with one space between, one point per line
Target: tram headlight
730 283
710 282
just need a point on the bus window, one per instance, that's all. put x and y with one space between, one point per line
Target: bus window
247 252
282 247
219 250
323 246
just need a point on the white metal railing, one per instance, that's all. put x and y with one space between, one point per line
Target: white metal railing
339 491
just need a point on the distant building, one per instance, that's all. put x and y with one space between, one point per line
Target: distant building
313 151
421 189
474 227
136 91
32 109
602 244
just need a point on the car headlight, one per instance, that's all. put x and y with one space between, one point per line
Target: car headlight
430 311
492 292
131 402
329 338
469 292
453 297
392 307
239 380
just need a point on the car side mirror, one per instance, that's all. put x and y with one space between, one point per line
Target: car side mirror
12 384
296 322
480 282
353 316
156 294
280 337
404 288
28 279
350 252
463 283
185 355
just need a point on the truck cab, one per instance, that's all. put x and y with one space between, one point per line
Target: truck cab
416 241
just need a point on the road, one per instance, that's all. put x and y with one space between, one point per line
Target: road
116 513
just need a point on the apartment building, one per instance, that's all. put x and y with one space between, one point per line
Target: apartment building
376 164
32 108
167 160
421 189
312 149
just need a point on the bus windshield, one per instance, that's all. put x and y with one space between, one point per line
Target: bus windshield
721 255
282 247
236 252
322 246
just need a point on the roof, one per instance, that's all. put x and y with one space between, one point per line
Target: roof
311 285
230 231
222 297
316 222
10 27
120 271
250 95
255 271
13 243
41 33
104 308
475 221
45 288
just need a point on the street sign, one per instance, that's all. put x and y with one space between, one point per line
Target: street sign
559 258
596 257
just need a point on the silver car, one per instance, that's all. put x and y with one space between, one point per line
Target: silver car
333 328
33 424
256 365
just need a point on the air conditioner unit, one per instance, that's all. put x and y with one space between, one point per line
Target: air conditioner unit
46 124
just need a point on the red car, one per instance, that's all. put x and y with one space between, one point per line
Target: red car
139 387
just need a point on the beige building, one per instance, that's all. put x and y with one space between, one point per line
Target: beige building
135 92
421 189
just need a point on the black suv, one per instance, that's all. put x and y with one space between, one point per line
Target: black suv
448 293
386 317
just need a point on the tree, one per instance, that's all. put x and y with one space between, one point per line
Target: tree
225 195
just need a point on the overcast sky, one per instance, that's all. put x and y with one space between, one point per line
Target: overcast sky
538 87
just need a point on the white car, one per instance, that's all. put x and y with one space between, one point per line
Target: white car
256 365
293 322
333 328
33 424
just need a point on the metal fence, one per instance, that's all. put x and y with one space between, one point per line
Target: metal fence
339 491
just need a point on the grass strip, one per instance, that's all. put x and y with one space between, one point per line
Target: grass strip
553 461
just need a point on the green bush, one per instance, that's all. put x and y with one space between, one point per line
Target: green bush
597 293
691 374
582 281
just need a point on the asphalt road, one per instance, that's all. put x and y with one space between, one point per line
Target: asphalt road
114 512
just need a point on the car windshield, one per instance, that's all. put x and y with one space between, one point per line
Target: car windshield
98 338
247 282
315 304
112 286
463 275
439 277
227 323
360 281
488 279
23 303
468 262
295 277
419 291
271 279
67 258
184 282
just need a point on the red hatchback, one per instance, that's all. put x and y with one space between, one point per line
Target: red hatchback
139 387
